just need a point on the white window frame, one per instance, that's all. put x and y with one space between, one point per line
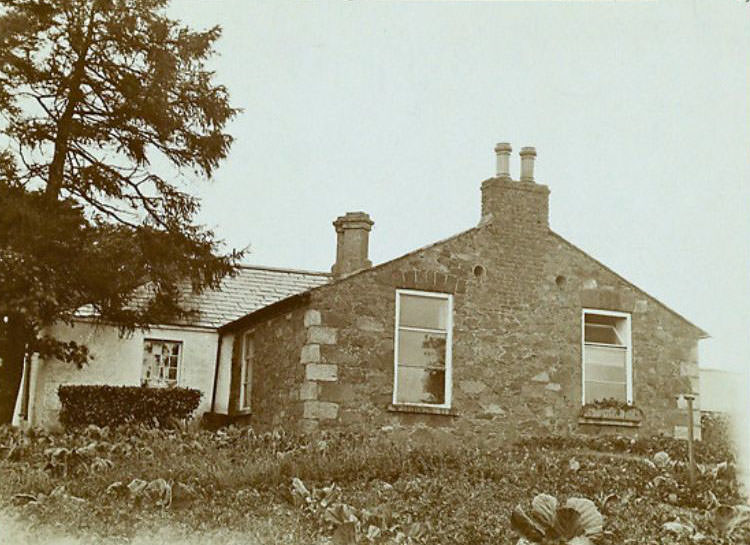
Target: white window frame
628 341
448 347
244 382
163 383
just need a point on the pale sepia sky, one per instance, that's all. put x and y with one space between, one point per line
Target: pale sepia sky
640 113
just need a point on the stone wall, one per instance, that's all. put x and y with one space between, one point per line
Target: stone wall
277 372
665 346
517 338
518 294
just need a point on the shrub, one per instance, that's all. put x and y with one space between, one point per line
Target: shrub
715 427
706 451
114 405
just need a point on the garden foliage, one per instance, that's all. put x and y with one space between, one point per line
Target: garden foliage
718 449
115 405
573 523
716 428
390 486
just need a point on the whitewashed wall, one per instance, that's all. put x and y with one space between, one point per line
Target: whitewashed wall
225 375
118 361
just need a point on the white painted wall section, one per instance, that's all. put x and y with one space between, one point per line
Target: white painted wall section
224 377
118 361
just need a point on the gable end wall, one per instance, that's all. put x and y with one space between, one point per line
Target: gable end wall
516 337
516 341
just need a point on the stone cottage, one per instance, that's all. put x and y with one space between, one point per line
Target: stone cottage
503 327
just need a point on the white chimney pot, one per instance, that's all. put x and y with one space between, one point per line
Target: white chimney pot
502 150
528 154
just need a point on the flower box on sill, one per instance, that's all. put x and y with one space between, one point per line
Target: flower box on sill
421 409
611 415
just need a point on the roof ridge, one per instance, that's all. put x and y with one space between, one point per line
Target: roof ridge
252 288
281 269
384 263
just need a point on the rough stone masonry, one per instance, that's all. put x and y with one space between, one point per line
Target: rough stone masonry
326 359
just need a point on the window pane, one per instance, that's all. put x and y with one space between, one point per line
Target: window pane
606 334
247 371
160 362
249 347
424 312
600 328
416 348
605 373
604 355
246 384
593 318
420 386
598 390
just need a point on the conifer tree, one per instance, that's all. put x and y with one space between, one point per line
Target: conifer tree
105 106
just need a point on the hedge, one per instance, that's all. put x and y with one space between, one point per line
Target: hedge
114 405
716 427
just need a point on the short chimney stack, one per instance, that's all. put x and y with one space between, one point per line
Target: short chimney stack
352 239
528 154
502 150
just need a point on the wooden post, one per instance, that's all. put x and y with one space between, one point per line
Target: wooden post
23 413
691 456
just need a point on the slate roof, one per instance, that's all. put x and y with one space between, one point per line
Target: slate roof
252 288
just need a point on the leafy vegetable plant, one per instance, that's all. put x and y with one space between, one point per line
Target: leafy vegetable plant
574 523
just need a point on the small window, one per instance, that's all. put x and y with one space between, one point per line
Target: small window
246 371
422 349
607 359
161 362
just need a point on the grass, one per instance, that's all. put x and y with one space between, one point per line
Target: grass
416 487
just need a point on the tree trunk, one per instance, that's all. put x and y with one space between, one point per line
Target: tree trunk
13 342
64 128
65 123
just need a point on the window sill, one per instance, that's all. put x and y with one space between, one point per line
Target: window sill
621 421
421 409
630 417
159 384
242 412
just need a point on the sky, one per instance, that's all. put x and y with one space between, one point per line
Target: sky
639 111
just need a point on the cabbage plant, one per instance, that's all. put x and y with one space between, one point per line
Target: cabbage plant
733 522
574 523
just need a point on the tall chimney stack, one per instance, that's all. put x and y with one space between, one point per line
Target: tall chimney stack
352 239
515 207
